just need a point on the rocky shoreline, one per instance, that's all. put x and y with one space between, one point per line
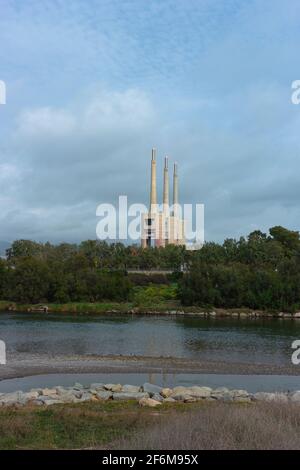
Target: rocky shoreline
146 395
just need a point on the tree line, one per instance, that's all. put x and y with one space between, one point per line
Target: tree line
92 271
260 271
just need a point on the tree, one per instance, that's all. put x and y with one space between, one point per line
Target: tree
22 249
288 238
30 281
3 278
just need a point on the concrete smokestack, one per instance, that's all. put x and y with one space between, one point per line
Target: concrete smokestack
166 188
153 198
175 190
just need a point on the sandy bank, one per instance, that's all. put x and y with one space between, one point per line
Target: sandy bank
22 365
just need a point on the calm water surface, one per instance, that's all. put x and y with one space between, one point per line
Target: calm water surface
245 340
252 383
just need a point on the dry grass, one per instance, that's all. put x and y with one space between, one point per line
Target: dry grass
222 426
125 425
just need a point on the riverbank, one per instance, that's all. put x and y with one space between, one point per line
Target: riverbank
128 308
112 416
25 364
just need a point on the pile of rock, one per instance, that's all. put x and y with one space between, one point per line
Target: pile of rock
147 395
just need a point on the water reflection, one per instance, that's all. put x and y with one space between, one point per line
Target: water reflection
245 340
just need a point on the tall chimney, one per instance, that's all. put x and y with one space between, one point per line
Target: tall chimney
166 188
153 198
175 190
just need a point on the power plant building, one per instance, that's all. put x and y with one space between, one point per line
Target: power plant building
162 225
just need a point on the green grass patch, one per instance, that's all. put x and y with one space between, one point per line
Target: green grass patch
75 426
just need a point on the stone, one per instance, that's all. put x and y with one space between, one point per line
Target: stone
38 390
113 387
296 315
98 386
50 401
276 397
189 399
37 402
178 390
239 393
77 386
157 397
75 393
225 397
295 397
104 395
221 390
61 390
218 393
12 398
181 396
242 399
151 389
199 392
149 402
118 396
70 397
86 397
264 396
131 388
49 392
32 395
166 392
169 400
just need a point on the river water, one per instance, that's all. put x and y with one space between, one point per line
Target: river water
265 341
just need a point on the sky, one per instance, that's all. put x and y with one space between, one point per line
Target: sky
93 85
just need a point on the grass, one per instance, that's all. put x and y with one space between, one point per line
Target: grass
125 425
222 426
69 426
72 307
146 299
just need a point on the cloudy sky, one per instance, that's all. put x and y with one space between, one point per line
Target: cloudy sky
93 85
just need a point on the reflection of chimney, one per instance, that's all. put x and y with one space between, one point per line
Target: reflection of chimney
153 199
175 190
166 188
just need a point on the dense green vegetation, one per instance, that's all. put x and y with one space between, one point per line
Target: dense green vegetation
261 271
93 271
